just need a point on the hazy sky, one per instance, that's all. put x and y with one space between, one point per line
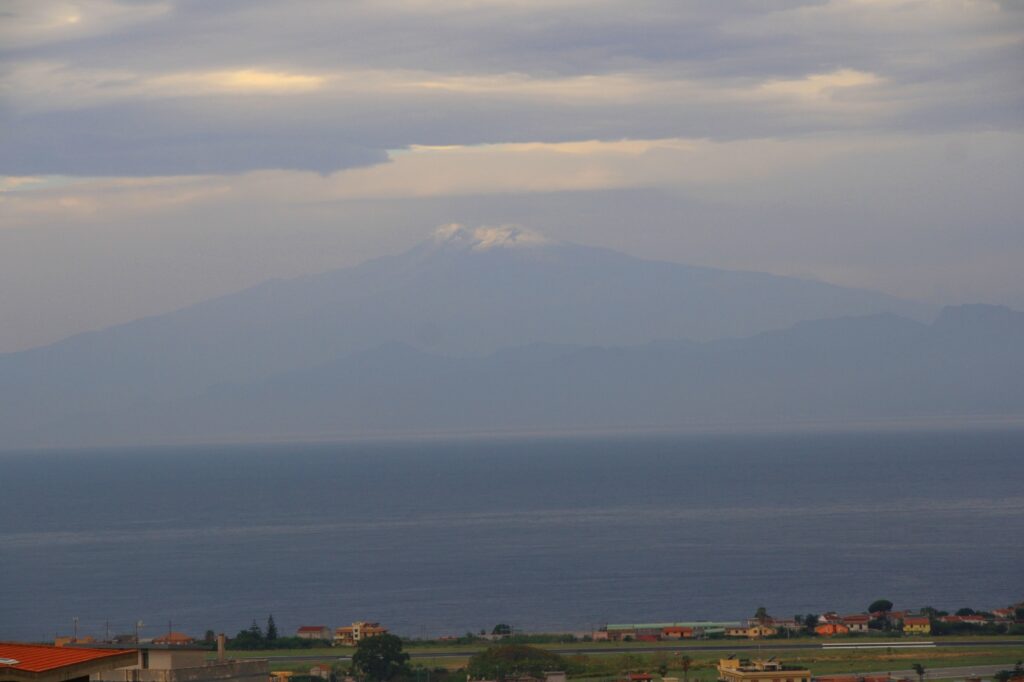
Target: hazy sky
153 154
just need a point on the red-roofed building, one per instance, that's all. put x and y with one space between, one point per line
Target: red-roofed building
677 632
857 622
917 625
973 619
45 663
313 632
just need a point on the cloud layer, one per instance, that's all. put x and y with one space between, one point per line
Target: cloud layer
156 153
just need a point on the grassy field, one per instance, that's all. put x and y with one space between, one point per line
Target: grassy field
820 661
625 647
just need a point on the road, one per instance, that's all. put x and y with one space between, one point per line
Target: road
773 645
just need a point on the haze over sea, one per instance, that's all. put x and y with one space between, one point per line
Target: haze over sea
439 537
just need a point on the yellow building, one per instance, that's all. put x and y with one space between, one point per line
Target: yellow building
358 631
758 670
760 631
914 625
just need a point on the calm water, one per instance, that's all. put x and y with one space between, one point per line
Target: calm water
443 537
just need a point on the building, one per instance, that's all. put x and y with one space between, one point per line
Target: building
677 632
759 670
788 625
358 631
657 631
176 638
917 625
314 632
857 622
831 630
972 619
184 663
737 631
761 631
45 663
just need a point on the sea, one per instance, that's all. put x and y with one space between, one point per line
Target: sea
436 537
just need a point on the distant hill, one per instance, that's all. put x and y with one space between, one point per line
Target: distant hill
462 292
969 361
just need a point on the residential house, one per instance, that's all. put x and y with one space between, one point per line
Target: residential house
917 625
737 631
313 632
857 622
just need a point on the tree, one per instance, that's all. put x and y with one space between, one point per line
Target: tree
254 630
505 659
761 615
883 605
381 657
271 629
502 629
919 670
685 663
210 637
965 612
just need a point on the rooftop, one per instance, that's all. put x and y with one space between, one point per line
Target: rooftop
40 658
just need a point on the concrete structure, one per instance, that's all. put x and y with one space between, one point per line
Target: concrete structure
314 632
358 631
758 670
183 663
45 663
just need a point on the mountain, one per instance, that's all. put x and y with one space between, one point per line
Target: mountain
463 293
969 361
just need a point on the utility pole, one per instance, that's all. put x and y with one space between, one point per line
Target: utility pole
75 621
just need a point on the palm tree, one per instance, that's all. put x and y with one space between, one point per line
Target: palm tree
919 669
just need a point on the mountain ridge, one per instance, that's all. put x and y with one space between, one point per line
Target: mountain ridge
836 370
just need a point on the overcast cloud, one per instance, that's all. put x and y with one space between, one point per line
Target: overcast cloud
153 154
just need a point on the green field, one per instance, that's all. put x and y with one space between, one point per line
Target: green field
607 666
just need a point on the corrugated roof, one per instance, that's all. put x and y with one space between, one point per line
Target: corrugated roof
38 658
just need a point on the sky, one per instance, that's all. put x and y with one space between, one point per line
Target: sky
155 153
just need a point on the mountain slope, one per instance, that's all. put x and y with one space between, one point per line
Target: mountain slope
969 362
464 293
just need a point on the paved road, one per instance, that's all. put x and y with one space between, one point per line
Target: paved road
773 645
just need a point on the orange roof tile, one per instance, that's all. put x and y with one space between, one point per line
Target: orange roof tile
38 658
